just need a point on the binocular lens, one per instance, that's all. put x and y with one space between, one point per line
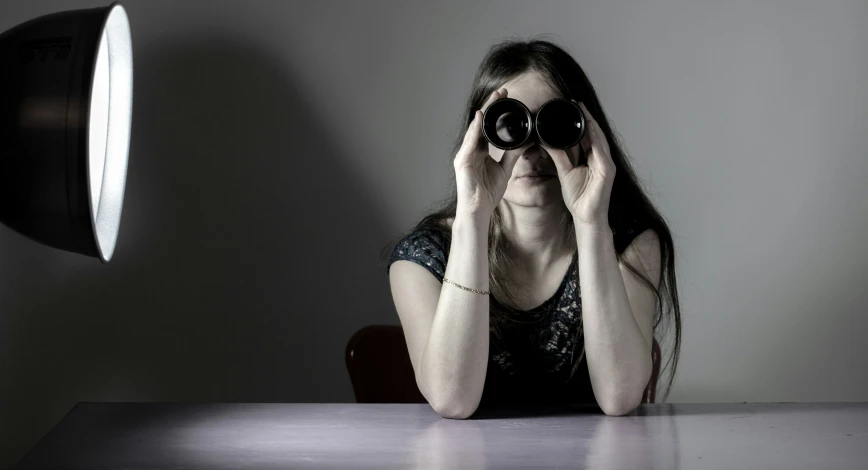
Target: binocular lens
511 127
560 124
508 124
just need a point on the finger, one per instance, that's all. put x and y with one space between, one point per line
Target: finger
592 128
471 137
563 164
494 96
590 122
510 157
586 142
597 148
585 149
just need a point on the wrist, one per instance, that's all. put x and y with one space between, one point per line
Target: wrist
592 229
592 225
472 219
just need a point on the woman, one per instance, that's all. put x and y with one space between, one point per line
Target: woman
543 289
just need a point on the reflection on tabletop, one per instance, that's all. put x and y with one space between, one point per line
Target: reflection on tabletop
598 441
319 435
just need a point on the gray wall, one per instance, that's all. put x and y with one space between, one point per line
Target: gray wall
277 146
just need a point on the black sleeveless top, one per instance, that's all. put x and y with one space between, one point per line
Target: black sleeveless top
533 362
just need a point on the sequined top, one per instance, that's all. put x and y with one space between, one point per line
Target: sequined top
533 362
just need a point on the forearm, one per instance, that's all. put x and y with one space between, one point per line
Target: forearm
619 360
455 357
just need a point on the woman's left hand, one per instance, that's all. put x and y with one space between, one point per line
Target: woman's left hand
587 188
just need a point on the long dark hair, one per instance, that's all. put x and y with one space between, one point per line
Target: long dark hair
630 210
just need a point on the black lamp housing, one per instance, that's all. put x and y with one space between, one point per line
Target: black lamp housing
66 83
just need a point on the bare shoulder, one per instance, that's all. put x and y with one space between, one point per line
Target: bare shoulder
646 241
644 251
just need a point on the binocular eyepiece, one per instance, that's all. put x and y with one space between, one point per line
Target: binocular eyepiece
508 124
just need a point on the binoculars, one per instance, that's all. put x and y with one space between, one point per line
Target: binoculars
508 124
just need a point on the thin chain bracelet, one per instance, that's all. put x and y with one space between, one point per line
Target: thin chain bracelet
481 292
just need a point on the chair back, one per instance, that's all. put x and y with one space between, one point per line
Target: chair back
380 368
381 372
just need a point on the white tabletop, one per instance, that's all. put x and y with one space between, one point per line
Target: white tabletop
272 436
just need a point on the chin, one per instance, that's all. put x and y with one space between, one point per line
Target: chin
532 198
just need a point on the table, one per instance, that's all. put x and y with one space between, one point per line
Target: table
335 435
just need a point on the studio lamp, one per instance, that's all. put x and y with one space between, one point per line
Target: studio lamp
66 87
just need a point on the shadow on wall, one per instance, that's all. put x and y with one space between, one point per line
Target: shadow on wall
246 259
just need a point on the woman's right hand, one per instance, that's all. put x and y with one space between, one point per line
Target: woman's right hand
480 179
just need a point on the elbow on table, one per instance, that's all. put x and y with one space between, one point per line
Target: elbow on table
620 407
454 409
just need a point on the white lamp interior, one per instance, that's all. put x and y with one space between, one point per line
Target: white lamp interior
109 129
98 126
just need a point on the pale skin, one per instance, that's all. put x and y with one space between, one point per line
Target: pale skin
617 308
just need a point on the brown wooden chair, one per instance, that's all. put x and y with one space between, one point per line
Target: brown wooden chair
381 371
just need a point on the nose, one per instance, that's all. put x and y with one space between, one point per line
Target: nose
534 152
